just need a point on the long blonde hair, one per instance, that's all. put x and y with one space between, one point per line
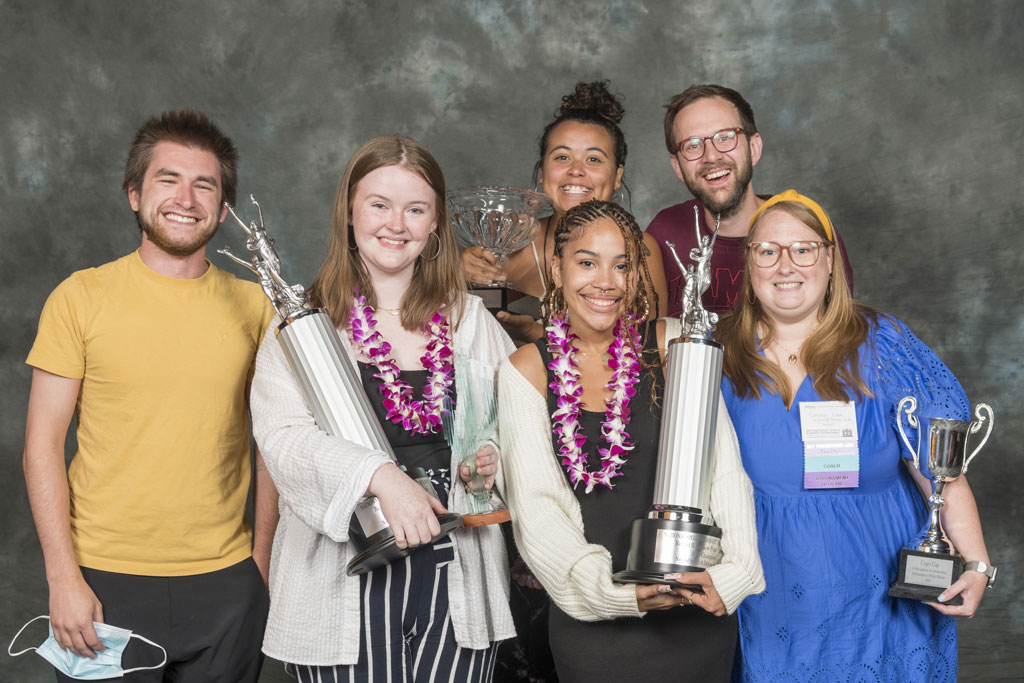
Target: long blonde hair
434 282
830 353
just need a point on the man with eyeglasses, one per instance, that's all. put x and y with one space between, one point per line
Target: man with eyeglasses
713 147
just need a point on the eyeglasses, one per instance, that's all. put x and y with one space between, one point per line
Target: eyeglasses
724 141
767 254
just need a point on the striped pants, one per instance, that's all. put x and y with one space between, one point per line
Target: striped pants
407 634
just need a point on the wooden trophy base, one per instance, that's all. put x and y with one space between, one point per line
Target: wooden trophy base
485 518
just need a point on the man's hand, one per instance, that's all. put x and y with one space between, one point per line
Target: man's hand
410 510
480 267
73 608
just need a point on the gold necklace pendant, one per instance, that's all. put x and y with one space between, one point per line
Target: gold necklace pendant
792 359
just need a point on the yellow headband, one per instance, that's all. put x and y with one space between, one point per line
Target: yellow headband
794 196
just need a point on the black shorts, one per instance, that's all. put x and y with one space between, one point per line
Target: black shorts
210 624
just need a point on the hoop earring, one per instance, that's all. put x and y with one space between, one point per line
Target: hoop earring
748 294
436 253
641 318
559 309
352 246
619 197
828 290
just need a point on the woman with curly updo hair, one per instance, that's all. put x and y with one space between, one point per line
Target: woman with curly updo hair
582 157
580 418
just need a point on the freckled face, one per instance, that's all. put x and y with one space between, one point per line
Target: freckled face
393 213
579 165
789 293
592 273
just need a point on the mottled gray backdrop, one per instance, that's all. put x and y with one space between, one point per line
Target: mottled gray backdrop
905 122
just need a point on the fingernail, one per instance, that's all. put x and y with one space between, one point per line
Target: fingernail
662 588
672 577
942 598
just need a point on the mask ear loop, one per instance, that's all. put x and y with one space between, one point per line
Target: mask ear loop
147 668
27 649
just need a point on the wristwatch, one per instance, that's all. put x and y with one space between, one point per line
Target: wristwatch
983 567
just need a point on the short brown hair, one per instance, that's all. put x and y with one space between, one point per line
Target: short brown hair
701 92
188 127
435 281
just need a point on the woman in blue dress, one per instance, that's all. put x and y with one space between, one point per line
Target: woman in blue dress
796 341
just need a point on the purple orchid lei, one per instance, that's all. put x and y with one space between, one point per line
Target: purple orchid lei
418 417
625 368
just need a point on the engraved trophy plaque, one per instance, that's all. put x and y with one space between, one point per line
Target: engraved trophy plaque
502 220
941 444
679 533
332 388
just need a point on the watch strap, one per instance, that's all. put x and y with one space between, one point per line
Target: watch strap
985 568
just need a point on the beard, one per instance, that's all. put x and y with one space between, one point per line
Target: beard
727 207
163 241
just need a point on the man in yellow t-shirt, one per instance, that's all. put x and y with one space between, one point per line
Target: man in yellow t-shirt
155 352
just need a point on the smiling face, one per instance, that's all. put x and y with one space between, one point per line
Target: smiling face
179 205
592 271
579 165
789 293
393 212
720 180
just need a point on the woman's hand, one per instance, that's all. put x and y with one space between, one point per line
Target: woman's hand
660 596
522 328
971 587
410 510
709 601
486 466
480 267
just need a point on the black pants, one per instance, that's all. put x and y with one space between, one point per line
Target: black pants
210 624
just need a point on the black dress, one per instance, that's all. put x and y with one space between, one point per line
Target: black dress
679 644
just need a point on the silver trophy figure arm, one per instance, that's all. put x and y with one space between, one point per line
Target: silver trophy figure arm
287 299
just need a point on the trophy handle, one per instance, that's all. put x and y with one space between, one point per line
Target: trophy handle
976 425
911 404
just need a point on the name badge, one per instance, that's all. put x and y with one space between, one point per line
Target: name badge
831 452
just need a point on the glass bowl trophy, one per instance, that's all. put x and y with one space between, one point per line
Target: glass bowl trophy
925 572
333 391
502 220
679 534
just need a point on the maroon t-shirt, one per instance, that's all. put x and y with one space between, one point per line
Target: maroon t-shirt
675 224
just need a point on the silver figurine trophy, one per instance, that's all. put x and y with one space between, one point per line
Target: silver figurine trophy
942 444
331 386
502 220
679 533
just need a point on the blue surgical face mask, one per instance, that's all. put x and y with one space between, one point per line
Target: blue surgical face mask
107 663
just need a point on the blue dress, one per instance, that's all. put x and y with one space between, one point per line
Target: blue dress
829 555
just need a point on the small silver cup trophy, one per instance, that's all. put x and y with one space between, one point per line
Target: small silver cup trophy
333 391
502 220
942 443
679 533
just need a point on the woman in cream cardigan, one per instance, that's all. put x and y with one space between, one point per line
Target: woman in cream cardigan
392 285
572 512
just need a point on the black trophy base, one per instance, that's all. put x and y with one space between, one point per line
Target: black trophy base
660 546
495 297
924 576
380 549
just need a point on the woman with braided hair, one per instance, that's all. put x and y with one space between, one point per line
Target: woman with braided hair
582 157
597 377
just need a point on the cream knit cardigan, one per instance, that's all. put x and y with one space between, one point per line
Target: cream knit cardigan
548 524
314 606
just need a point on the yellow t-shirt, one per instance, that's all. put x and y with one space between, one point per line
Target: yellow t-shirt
161 475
